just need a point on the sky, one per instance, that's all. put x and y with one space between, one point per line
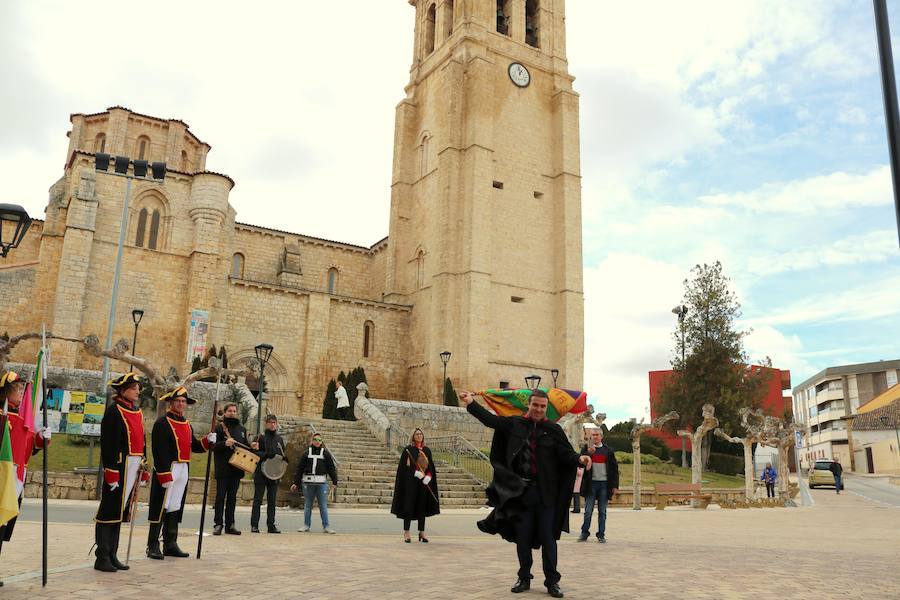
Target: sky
746 132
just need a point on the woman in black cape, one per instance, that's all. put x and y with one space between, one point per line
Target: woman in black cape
415 487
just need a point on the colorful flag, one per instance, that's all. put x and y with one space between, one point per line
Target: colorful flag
37 392
9 499
507 403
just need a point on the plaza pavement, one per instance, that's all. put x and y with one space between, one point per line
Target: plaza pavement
845 546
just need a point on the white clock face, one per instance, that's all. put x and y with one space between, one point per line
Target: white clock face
519 74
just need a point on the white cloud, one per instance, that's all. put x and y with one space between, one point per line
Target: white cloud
876 299
872 247
786 351
832 192
628 327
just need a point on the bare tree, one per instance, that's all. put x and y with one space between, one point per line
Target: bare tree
709 423
636 432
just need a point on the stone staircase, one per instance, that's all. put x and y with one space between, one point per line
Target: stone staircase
366 468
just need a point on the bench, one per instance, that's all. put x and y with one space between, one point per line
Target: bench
680 491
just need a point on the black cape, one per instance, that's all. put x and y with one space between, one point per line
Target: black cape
114 451
412 498
505 492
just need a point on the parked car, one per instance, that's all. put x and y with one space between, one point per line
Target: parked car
821 473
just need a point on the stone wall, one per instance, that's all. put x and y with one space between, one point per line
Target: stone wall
434 420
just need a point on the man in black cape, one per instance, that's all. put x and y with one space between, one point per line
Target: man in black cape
534 473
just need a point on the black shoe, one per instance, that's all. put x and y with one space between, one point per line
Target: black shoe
217 530
170 537
522 585
254 529
582 538
601 539
102 564
576 512
232 531
153 550
422 538
155 553
554 591
102 539
274 529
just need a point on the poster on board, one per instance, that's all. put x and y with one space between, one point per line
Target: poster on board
198 334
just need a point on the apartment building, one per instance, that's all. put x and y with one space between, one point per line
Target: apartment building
827 400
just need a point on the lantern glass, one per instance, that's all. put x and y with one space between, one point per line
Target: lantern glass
263 352
533 381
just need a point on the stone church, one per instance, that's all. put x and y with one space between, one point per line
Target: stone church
483 257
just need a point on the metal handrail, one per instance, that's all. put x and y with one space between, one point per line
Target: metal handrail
463 454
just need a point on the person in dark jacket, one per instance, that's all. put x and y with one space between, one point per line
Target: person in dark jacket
415 486
600 483
534 473
268 445
228 478
769 476
123 452
838 471
316 466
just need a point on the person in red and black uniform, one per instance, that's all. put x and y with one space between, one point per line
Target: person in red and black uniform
25 442
415 486
123 451
600 483
172 441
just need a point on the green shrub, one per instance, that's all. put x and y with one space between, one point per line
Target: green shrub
675 457
618 442
624 458
726 464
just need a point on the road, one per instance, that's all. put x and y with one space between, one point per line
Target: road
877 489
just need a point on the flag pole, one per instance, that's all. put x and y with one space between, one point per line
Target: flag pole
212 427
46 449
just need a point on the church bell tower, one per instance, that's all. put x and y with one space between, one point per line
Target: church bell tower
485 226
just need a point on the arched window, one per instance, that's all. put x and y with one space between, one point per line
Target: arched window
429 30
237 265
420 269
154 230
332 280
423 155
141 228
368 339
100 143
184 161
143 148
532 20
448 18
504 10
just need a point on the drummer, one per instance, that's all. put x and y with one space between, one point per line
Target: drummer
270 447
229 435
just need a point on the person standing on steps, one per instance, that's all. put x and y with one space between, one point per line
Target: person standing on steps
343 401
268 446
316 466
415 486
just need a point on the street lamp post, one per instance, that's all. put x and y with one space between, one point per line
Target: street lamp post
136 316
533 381
681 311
14 222
445 358
263 352
139 172
555 373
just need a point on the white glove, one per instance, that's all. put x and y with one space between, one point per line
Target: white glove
419 474
46 433
113 486
427 479
166 485
211 438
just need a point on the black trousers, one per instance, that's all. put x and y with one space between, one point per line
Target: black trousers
408 522
270 488
536 524
345 413
770 490
226 498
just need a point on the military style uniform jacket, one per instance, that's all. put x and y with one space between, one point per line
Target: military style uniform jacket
121 436
24 445
172 440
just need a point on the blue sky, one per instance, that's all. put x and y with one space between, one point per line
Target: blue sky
746 132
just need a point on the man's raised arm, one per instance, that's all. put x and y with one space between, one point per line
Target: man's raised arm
482 414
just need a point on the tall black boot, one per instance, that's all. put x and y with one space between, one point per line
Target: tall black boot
101 537
153 550
115 532
170 537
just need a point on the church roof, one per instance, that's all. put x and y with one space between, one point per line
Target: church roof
373 248
137 114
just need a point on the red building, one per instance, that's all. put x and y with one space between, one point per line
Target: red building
775 402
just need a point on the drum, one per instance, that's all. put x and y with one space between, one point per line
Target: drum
274 468
244 459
